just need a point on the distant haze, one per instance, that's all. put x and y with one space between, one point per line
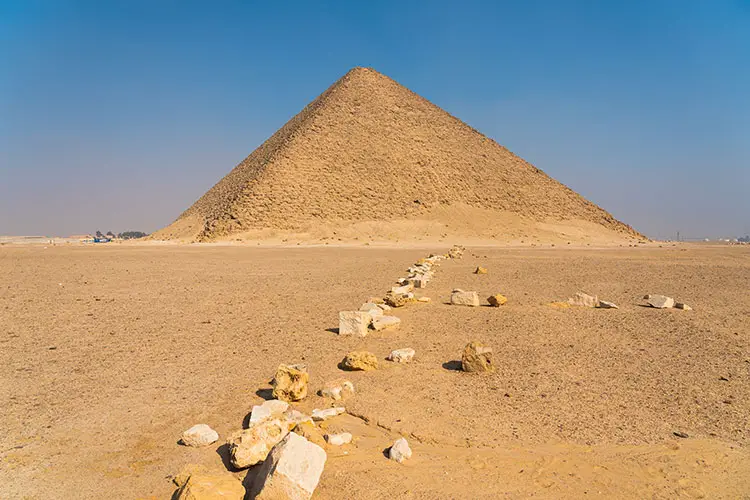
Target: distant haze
118 117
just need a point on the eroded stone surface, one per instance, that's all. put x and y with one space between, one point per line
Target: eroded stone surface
401 355
290 382
251 446
210 486
354 323
461 298
291 472
339 439
400 450
660 301
267 409
583 300
199 435
477 358
360 360
337 389
497 300
384 322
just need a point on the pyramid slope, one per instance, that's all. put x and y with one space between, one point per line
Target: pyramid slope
370 149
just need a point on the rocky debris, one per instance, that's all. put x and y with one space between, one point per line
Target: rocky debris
497 300
603 304
400 450
477 358
375 300
187 471
199 435
208 486
401 355
660 301
423 299
251 446
320 415
384 322
419 281
337 389
462 298
456 252
291 472
480 270
339 439
309 431
384 307
354 323
372 309
583 300
294 417
396 299
402 290
270 408
680 305
290 382
360 360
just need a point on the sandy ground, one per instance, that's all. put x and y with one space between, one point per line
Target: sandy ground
107 353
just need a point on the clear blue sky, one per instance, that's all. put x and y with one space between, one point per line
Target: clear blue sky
118 115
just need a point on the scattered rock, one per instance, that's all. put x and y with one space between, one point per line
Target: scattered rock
339 439
291 472
271 408
402 290
603 304
401 355
320 415
360 360
309 431
461 298
337 389
583 300
680 434
294 417
419 281
477 358
423 299
684 307
396 299
354 323
371 308
210 486
497 300
187 471
199 435
480 270
400 450
384 307
660 301
384 322
290 382
251 446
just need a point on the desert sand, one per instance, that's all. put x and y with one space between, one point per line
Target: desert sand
108 353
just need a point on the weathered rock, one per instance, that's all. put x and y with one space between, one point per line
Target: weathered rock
400 450
401 355
339 439
384 322
680 305
354 323
477 358
461 298
189 470
396 299
419 281
603 304
375 300
210 486
250 446
660 301
583 300
337 389
480 270
372 309
271 408
360 360
320 415
294 417
497 300
559 305
290 382
292 471
199 435
423 299
384 307
309 431
404 289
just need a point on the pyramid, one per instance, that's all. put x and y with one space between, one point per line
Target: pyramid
369 149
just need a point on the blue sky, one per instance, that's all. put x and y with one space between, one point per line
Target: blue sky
118 115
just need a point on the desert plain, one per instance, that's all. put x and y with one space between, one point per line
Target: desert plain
109 352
